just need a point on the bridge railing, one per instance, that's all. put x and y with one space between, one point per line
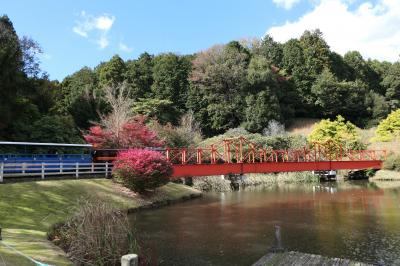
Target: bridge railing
215 155
43 170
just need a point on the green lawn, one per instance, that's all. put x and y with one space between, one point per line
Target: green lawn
28 209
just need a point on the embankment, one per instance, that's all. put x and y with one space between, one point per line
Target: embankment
28 209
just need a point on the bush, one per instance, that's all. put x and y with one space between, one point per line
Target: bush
284 177
392 162
186 134
140 169
211 183
339 132
97 234
389 128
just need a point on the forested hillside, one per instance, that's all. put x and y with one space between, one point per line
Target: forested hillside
247 83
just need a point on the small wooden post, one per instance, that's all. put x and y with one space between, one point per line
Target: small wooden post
42 170
1 172
106 169
77 170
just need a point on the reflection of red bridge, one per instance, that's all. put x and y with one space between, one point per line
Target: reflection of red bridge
239 156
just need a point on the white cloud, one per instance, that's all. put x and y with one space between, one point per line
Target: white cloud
103 42
94 25
372 29
287 4
104 22
125 48
79 31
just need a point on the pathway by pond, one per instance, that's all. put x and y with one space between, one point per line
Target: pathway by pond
357 221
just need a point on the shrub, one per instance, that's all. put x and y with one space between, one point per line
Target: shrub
339 132
392 162
389 128
284 177
186 134
274 128
211 183
141 169
97 234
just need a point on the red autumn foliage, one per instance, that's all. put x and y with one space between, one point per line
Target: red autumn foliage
133 134
140 169
98 137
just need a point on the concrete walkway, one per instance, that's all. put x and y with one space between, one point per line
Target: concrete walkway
297 258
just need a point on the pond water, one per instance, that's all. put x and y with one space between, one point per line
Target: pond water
354 220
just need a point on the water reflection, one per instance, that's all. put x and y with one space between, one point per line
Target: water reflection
357 220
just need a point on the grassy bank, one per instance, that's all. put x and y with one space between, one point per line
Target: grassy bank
386 175
27 210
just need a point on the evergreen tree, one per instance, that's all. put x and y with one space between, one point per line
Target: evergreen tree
139 75
112 73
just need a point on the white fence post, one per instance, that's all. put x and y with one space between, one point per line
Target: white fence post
61 167
1 172
23 167
106 169
77 170
92 167
42 170
130 260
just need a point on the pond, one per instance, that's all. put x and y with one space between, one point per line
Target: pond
354 220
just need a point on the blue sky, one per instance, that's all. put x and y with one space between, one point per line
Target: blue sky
74 34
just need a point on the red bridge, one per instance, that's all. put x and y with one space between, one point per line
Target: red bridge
240 156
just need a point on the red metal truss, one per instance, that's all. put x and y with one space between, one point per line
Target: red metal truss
238 156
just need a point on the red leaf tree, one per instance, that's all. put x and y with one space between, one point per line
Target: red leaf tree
140 169
132 134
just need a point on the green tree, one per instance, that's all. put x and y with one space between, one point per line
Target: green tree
377 107
219 86
389 128
361 70
81 97
293 57
339 67
272 50
263 105
139 75
317 55
161 110
293 64
260 109
55 128
336 97
391 83
30 50
170 75
11 75
112 73
43 93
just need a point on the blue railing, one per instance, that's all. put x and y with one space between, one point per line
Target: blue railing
55 160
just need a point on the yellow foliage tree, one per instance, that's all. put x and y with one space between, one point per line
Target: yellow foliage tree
338 132
389 128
